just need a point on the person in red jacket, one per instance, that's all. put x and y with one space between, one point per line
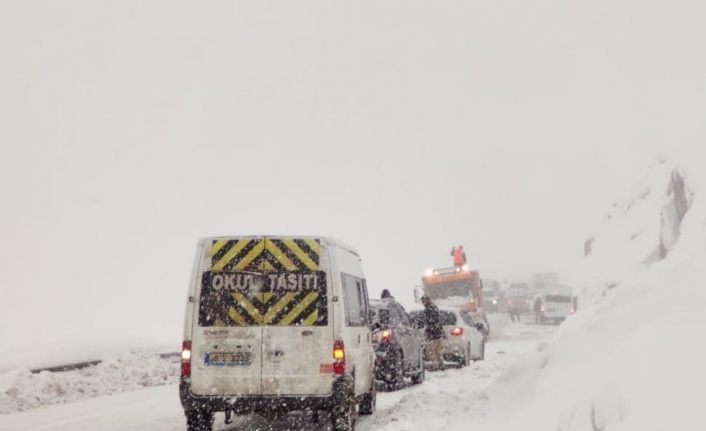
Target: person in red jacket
459 256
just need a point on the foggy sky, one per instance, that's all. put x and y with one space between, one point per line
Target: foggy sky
131 129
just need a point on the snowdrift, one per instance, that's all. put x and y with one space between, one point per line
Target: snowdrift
632 358
20 389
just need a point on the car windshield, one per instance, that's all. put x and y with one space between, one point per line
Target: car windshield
466 316
449 289
448 318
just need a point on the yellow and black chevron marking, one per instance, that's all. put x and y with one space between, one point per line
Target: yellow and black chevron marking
220 306
265 255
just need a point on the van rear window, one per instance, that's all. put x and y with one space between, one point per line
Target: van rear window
558 298
263 299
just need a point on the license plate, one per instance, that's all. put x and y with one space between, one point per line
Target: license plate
223 359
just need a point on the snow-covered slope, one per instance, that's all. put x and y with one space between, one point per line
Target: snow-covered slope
633 357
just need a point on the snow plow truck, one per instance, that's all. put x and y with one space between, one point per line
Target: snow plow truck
457 286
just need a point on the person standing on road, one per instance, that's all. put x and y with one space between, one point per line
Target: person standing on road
434 333
514 314
459 256
537 309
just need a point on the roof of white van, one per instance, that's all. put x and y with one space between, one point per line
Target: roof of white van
329 240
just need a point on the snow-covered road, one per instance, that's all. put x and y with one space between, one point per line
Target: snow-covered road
446 401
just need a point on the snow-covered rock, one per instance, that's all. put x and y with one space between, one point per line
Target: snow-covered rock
632 357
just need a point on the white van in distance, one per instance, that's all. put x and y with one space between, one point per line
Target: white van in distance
557 303
275 324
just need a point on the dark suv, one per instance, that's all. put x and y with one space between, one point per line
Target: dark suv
398 345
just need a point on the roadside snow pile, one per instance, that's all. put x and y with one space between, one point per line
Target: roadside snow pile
22 390
634 358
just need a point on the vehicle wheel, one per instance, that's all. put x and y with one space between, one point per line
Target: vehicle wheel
199 420
421 373
367 406
397 379
343 418
463 360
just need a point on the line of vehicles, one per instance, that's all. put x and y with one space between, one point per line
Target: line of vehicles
547 302
276 324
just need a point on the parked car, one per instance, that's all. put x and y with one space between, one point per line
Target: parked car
275 324
491 300
397 343
464 340
518 297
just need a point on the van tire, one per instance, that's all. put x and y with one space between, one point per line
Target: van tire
397 380
199 420
421 373
343 418
367 406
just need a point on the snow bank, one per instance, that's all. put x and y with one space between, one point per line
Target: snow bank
633 358
36 353
22 390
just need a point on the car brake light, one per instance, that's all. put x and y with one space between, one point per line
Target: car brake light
186 359
457 331
386 336
339 357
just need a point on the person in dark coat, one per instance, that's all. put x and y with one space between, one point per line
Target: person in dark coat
537 310
434 333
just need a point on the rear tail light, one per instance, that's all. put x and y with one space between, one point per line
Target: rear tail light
186 359
339 358
457 331
386 336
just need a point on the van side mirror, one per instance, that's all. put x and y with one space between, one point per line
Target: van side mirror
384 316
480 326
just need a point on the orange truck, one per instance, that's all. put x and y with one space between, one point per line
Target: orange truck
454 286
458 287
